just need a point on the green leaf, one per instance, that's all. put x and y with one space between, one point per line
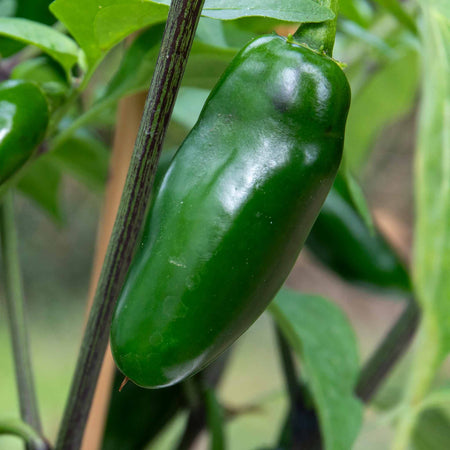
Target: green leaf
115 22
432 431
287 10
205 65
98 25
322 337
84 157
385 98
36 10
84 16
55 44
137 66
40 183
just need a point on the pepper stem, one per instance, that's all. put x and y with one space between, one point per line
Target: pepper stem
320 36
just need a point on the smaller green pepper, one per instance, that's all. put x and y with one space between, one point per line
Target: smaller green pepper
24 118
227 222
342 241
137 416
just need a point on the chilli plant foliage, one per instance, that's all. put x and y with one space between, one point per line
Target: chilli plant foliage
80 59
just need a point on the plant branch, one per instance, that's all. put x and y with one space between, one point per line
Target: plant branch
388 352
176 44
16 315
320 36
16 427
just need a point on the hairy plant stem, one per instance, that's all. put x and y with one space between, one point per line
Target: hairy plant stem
176 44
388 352
320 36
16 316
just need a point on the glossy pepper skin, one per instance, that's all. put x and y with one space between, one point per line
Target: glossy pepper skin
24 118
342 241
232 212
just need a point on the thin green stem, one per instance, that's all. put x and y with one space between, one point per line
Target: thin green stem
320 36
16 427
388 352
16 315
176 44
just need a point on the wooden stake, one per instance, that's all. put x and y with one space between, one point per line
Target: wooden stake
128 119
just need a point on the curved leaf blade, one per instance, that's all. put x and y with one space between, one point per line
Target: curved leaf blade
55 44
322 337
99 25
287 10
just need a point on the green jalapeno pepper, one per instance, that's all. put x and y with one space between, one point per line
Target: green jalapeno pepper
342 241
230 216
24 118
